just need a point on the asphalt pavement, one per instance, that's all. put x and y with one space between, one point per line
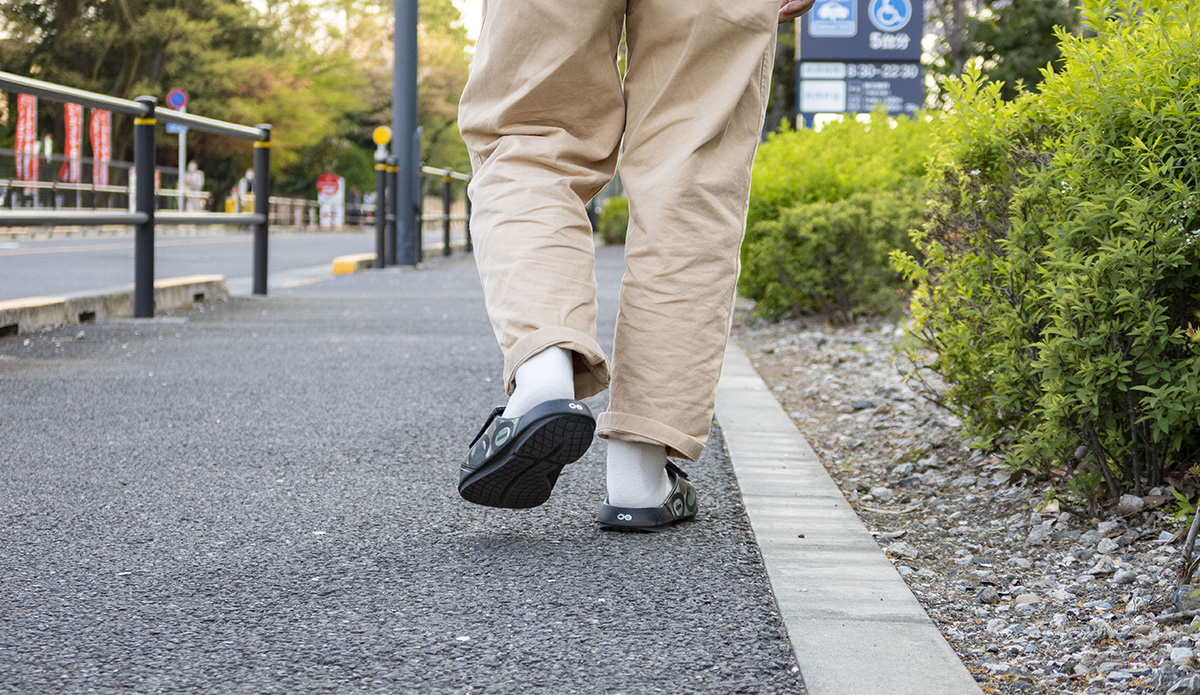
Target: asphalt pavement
258 496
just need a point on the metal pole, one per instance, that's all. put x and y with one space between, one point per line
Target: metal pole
262 206
419 215
467 223
390 212
446 212
404 127
182 165
380 214
418 193
143 250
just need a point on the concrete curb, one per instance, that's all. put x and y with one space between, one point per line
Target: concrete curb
31 314
852 621
345 265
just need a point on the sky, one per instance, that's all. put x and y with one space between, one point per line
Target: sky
472 11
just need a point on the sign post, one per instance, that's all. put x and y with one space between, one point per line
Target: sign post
382 136
860 55
177 99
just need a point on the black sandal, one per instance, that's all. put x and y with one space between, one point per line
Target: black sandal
514 462
681 505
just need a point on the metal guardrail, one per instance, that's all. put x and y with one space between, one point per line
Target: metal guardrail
145 216
448 177
386 178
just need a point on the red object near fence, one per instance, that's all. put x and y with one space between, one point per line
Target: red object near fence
101 145
28 168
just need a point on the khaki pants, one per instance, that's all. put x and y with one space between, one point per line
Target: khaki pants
545 115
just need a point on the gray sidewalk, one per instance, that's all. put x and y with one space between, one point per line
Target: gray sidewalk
258 497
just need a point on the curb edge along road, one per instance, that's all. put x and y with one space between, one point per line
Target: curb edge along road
853 622
30 314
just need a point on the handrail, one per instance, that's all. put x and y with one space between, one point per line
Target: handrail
28 85
433 171
19 217
144 197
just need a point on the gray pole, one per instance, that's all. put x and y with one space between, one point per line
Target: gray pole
404 125
392 218
143 249
446 201
380 212
262 206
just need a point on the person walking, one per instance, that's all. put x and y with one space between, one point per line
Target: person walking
545 115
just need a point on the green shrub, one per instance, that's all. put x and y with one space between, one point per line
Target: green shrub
826 209
1062 263
613 221
831 257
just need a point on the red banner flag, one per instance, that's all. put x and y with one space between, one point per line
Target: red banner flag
73 146
27 141
101 145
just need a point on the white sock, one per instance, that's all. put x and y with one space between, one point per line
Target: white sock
637 474
547 376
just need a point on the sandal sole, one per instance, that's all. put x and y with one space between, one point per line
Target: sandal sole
525 477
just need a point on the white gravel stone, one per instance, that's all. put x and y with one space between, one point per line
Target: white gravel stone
1124 576
882 494
1038 535
1103 566
902 549
1129 504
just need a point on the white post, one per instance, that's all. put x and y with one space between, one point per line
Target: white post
182 163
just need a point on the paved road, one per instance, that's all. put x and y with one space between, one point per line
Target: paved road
259 498
57 266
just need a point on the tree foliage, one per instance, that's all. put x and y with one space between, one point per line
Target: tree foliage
1060 269
319 71
1008 41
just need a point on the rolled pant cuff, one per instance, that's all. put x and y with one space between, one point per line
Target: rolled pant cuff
590 362
633 428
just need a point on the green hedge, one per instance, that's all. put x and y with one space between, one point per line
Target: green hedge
1061 260
613 221
826 209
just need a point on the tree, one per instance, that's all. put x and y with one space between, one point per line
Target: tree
237 65
1018 41
1009 40
782 103
319 71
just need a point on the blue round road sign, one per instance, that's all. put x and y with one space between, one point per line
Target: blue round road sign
890 15
177 99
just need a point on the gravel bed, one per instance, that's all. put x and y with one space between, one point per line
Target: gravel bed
1034 599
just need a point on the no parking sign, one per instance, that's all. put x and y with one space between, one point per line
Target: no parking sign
177 99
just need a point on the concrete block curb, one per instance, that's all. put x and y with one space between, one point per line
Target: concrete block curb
854 624
344 265
31 314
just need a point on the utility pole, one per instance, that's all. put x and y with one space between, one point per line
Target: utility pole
404 128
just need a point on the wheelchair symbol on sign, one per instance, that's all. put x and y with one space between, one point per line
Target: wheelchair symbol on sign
890 15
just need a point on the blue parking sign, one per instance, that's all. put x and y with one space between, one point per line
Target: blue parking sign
833 18
890 15
883 31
